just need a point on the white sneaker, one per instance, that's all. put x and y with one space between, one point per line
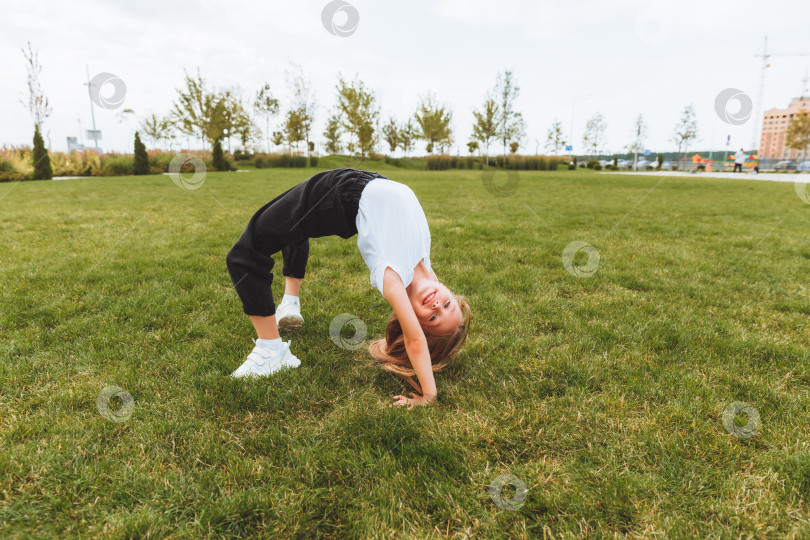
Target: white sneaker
288 316
263 361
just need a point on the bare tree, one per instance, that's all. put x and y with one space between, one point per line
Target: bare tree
639 137
38 104
303 98
267 105
555 140
511 126
686 129
594 136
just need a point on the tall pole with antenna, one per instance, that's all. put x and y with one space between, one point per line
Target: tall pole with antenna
92 113
758 112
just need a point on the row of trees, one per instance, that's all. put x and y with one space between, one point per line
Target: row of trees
594 138
354 119
215 116
219 115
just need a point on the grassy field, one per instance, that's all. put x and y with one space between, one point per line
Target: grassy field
604 395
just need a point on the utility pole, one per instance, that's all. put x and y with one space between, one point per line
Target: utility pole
92 113
571 127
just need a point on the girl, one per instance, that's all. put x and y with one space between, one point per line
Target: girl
429 323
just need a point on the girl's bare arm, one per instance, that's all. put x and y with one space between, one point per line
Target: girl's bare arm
415 342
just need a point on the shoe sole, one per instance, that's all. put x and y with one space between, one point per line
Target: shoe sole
290 322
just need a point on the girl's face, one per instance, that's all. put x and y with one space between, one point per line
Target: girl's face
436 308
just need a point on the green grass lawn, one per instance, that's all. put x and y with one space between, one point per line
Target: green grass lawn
603 394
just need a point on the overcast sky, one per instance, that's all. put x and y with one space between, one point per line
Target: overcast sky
619 57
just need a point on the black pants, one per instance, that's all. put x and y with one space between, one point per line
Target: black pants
324 205
737 167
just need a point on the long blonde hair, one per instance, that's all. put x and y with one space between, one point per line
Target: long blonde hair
391 355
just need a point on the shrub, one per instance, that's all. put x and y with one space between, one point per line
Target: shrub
313 161
140 161
119 165
262 161
238 155
10 164
42 162
438 162
593 163
220 163
597 166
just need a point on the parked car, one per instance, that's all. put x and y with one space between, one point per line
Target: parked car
785 165
624 164
642 165
803 166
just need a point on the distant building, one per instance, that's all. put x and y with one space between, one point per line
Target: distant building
775 123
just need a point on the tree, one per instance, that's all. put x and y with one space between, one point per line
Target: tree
472 146
42 162
266 105
485 127
37 104
390 133
303 98
277 138
511 126
140 162
639 136
191 113
513 147
686 129
232 118
555 140
358 110
156 128
294 128
798 132
40 109
594 136
332 134
407 134
434 122
209 114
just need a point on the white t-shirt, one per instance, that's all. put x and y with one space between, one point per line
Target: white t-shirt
392 230
740 157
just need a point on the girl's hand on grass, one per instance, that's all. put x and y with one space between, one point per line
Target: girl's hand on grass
415 400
